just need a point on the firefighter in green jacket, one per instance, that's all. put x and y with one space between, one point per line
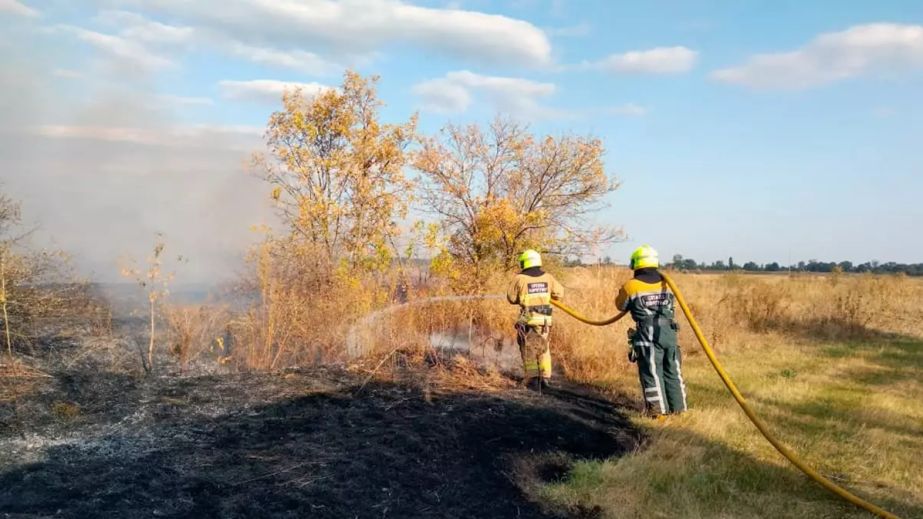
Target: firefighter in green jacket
654 340
533 289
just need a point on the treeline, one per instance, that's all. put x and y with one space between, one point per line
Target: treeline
913 269
875 267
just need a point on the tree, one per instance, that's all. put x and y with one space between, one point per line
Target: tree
337 173
677 261
155 283
751 266
499 190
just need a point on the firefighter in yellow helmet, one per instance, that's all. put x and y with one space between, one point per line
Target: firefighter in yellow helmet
533 289
653 342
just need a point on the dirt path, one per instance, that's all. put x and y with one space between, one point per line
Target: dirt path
308 444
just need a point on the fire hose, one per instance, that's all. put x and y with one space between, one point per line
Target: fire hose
754 418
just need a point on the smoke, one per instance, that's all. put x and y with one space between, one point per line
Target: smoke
101 166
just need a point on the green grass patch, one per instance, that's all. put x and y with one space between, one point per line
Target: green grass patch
852 410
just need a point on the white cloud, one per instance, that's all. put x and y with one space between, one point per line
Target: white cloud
184 101
145 33
266 90
627 110
175 136
353 26
121 49
862 49
571 31
443 96
455 92
99 133
135 27
67 73
659 60
17 8
293 59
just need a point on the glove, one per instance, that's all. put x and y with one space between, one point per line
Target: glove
632 353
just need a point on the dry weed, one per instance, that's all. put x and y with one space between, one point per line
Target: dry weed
195 330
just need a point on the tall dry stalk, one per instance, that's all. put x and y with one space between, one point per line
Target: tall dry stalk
3 301
156 285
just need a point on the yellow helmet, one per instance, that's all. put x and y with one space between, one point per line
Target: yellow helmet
644 257
530 258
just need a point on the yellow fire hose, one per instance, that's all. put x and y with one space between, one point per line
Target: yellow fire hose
757 421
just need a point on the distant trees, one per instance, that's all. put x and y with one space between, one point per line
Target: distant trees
915 269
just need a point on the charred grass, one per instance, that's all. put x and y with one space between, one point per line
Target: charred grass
307 443
229 424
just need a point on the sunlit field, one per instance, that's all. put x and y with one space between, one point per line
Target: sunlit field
833 363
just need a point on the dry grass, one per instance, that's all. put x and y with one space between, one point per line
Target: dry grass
196 331
18 379
834 364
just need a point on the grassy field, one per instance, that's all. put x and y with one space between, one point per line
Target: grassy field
834 364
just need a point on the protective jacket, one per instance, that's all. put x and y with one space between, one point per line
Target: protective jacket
651 303
654 342
533 289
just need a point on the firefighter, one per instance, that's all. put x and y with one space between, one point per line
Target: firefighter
533 289
653 342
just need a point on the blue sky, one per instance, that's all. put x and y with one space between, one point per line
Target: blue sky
771 131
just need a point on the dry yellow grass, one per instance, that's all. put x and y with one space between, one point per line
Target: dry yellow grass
833 363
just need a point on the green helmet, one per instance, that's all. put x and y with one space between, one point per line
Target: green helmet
530 258
644 257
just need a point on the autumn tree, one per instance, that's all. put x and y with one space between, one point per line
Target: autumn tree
337 177
337 173
499 190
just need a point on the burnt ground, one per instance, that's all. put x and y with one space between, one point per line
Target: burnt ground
313 443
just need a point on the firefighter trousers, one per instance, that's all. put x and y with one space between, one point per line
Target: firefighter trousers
661 374
536 355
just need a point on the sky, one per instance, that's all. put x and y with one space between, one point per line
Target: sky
765 131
